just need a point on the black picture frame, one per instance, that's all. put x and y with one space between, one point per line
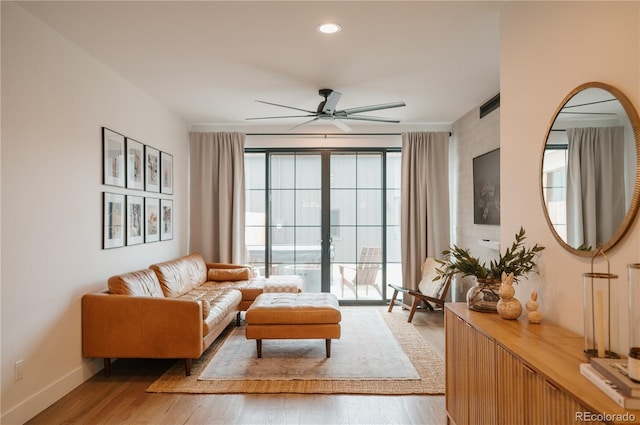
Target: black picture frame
113 158
166 173
151 169
151 220
135 164
166 219
135 220
113 220
486 188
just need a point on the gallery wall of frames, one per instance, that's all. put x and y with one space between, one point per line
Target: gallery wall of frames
144 212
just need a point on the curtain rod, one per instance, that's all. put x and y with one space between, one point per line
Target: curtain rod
325 135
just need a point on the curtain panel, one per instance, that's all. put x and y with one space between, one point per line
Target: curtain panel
216 196
595 184
425 223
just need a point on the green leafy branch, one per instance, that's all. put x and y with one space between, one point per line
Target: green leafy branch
517 259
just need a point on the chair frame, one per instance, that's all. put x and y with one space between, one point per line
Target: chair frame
419 297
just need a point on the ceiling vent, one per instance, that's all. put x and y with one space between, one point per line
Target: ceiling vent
491 105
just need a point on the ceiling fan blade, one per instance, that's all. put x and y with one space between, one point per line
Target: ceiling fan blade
330 104
342 126
371 108
369 118
304 123
282 116
285 106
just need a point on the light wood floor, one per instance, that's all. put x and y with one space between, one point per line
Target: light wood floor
121 399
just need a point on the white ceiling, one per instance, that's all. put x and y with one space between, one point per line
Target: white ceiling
208 61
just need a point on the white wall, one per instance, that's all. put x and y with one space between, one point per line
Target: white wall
547 49
55 100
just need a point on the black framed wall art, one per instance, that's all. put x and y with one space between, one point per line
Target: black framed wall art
151 169
486 188
135 220
166 170
113 220
113 158
166 219
135 164
151 219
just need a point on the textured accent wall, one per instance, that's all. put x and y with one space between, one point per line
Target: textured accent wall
472 136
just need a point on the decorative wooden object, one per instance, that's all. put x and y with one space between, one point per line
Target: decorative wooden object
511 372
508 307
533 315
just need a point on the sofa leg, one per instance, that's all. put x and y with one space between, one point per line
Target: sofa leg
107 367
328 347
187 367
259 347
238 319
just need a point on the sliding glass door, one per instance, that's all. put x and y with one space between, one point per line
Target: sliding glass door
323 215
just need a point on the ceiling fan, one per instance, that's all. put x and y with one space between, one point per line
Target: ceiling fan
327 111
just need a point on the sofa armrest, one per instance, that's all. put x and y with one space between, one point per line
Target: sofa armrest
117 326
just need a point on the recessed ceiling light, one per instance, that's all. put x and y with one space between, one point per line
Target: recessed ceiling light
329 28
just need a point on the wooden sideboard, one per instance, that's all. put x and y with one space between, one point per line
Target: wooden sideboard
512 372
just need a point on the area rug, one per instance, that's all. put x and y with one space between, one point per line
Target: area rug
412 367
366 350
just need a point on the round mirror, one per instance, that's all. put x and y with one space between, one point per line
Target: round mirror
589 169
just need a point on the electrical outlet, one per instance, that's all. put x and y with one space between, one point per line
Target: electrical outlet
19 365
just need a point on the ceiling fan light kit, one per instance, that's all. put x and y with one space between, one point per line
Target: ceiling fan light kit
327 111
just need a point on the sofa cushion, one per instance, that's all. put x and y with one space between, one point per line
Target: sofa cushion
174 277
139 283
222 304
228 275
197 269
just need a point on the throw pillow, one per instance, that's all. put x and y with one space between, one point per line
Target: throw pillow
427 285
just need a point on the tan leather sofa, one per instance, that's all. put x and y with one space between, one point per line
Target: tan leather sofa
174 309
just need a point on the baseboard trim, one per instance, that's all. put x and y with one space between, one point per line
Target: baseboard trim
53 392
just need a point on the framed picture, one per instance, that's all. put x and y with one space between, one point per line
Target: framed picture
112 220
135 165
166 219
151 169
135 220
486 188
151 223
112 158
166 170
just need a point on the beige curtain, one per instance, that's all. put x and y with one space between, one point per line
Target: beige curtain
425 201
595 185
216 173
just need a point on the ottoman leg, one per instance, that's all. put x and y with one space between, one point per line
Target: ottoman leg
328 346
259 347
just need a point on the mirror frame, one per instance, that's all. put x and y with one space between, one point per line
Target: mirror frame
635 199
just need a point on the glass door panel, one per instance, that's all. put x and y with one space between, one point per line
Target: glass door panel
356 223
295 226
393 203
255 210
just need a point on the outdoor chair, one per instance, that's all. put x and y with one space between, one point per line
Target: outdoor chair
429 291
365 272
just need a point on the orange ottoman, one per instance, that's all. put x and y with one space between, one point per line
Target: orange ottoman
306 315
